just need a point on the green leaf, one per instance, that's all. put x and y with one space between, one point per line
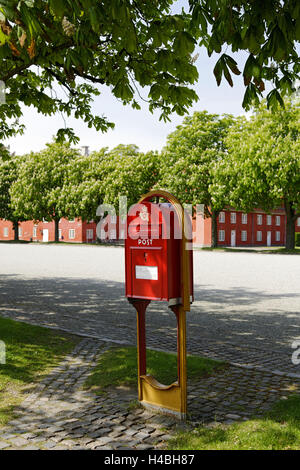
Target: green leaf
58 7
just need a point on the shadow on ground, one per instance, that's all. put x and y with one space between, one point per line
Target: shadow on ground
100 309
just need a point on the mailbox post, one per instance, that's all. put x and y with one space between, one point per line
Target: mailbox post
159 267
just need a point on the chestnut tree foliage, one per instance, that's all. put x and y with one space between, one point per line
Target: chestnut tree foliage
60 182
129 45
85 44
38 192
189 162
8 175
262 167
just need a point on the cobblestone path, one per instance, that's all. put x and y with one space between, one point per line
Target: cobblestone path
60 415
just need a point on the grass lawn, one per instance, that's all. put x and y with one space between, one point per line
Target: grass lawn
31 352
118 366
278 430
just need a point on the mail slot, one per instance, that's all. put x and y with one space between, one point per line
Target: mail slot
153 250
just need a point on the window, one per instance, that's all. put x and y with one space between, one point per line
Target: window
34 234
259 219
113 219
45 221
222 217
269 220
90 234
113 234
20 231
244 235
298 222
259 236
122 234
221 235
244 219
278 219
71 220
71 234
5 232
233 217
278 236
103 234
59 233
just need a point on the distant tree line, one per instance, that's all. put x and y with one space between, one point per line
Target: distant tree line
217 161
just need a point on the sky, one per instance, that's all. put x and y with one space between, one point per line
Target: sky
138 127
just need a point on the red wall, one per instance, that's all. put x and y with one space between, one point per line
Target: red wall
201 230
27 229
252 227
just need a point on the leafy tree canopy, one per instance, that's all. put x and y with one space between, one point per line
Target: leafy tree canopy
127 44
80 44
38 191
104 176
8 175
190 157
267 30
262 168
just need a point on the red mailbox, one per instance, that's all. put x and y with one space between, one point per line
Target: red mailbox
153 254
159 266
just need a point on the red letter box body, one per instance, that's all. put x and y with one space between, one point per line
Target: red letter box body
153 254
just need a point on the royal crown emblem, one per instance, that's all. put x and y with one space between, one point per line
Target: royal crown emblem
144 215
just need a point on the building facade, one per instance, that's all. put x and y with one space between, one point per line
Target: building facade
71 231
236 228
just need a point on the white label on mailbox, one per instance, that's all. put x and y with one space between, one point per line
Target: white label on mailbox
146 272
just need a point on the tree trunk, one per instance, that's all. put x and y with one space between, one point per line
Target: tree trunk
214 228
290 226
16 230
56 222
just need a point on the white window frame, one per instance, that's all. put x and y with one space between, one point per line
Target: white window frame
89 234
278 236
221 235
59 233
259 236
222 217
233 217
34 232
259 219
20 232
5 232
244 235
71 221
278 220
71 232
244 219
269 219
298 222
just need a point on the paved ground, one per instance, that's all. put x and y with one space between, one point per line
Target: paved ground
60 415
246 308
246 312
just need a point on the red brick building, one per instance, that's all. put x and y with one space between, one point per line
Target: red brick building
236 228
72 231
